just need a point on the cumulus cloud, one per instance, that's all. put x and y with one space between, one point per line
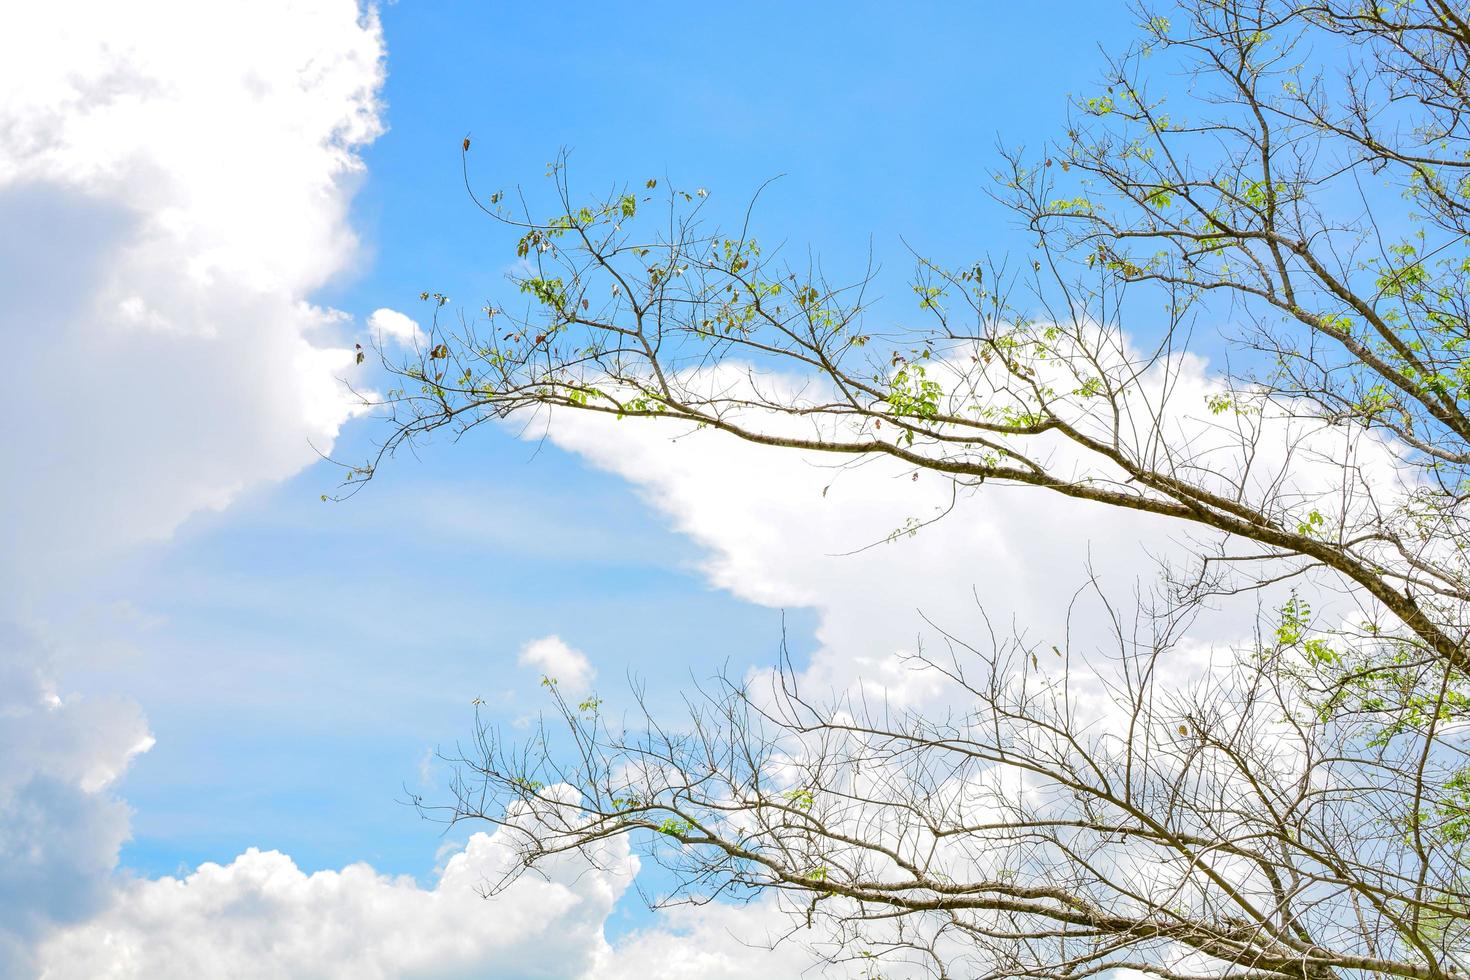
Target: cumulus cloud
395 326
785 529
792 529
261 916
569 667
60 824
173 187
715 942
174 184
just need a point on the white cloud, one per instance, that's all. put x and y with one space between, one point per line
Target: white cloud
781 529
261 916
569 667
716 942
60 824
396 326
174 184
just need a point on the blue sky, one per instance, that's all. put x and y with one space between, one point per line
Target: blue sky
884 121
297 661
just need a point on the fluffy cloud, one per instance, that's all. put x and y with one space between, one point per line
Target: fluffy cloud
395 326
261 916
859 542
174 183
715 942
551 656
60 824
173 187
786 529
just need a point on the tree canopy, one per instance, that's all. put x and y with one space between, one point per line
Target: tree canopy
1301 203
